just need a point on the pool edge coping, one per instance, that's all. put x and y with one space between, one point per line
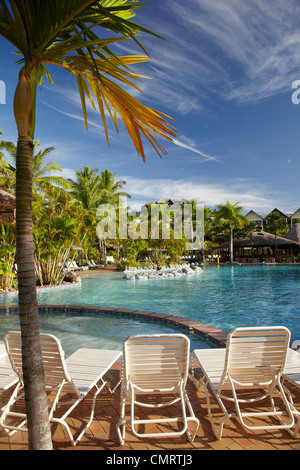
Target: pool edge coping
209 333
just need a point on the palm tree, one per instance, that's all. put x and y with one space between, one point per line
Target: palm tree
40 172
66 34
110 190
7 173
231 215
86 188
276 225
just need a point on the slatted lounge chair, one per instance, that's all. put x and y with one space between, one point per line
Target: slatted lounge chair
291 375
78 375
72 266
8 377
97 265
155 365
253 361
2 349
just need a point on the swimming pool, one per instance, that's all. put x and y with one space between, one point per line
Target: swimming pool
224 297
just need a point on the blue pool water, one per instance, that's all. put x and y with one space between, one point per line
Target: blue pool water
224 297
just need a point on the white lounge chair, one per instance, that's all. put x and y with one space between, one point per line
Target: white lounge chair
155 365
78 375
2 349
97 265
72 266
291 375
8 377
253 361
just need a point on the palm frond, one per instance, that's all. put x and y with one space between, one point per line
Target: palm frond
67 34
52 180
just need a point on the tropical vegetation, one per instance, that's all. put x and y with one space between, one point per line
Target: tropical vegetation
68 209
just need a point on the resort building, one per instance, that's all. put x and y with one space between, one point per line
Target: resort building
290 218
167 202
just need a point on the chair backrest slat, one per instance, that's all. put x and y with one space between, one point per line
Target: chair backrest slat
255 355
55 369
156 360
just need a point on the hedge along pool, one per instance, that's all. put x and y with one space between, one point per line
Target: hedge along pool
224 297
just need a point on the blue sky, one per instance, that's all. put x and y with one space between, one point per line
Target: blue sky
224 72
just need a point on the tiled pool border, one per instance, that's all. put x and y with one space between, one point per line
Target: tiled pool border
209 333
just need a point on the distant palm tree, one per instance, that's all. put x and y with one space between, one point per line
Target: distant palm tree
93 189
40 171
66 34
276 225
86 188
231 215
110 190
7 172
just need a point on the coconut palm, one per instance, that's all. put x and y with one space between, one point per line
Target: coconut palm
230 214
40 171
111 190
66 33
86 187
276 225
7 172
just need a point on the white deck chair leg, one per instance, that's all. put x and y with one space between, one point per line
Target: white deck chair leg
296 413
191 434
274 413
183 398
295 432
226 416
10 429
63 418
122 422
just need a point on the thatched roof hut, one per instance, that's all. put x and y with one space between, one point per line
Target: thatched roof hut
262 239
294 233
7 208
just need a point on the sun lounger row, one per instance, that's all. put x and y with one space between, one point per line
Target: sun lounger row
254 360
93 265
73 266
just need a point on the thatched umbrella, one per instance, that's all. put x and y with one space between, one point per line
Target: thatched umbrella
7 208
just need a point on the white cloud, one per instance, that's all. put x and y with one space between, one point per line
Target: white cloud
68 173
193 149
233 49
247 192
74 116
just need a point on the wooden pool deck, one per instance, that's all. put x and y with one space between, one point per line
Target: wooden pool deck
102 433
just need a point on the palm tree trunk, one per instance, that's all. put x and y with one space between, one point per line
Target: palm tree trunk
39 433
230 245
